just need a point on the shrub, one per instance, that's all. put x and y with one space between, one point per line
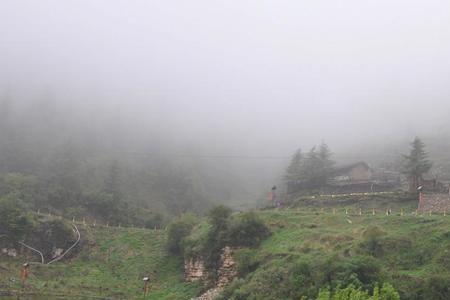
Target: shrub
358 271
437 288
246 262
387 292
372 241
14 222
178 230
219 217
247 231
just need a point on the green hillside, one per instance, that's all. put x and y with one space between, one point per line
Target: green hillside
111 264
310 248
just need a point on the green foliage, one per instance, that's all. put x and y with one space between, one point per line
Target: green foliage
178 230
360 271
311 171
387 292
246 261
294 170
247 230
219 217
437 288
14 221
372 241
110 264
154 220
416 163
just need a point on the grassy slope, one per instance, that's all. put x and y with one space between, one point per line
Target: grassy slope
111 265
414 248
114 262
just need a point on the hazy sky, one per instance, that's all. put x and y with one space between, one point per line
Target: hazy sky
268 75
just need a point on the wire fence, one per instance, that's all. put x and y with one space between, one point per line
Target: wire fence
94 223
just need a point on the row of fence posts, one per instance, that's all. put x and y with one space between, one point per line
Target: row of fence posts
94 223
374 212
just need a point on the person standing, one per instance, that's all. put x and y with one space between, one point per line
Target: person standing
24 273
274 198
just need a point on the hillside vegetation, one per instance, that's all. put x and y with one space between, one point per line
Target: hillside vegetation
309 250
110 265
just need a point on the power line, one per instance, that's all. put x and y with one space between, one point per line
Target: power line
207 156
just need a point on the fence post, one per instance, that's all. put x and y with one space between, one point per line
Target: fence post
360 211
373 211
346 211
401 212
334 211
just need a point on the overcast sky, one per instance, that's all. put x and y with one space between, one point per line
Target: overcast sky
271 75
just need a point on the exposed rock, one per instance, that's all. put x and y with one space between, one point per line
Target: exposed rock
227 270
194 269
210 294
226 273
57 252
9 251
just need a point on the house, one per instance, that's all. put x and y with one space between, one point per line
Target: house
353 173
359 177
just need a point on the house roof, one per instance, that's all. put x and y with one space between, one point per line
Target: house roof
346 168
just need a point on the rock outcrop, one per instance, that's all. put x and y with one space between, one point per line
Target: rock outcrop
226 273
227 270
194 269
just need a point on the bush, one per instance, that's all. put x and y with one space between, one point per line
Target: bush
372 241
387 292
154 221
358 271
178 230
247 231
14 221
437 288
219 217
246 262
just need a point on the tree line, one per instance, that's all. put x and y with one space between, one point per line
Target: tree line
312 170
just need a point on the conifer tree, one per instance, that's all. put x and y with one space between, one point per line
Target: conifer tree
294 170
416 164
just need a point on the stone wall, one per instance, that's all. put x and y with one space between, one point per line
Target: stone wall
435 202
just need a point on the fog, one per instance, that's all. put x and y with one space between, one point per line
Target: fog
234 78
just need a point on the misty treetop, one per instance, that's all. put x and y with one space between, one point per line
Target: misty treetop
55 161
311 170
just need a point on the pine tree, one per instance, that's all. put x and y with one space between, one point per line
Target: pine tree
416 164
326 164
294 170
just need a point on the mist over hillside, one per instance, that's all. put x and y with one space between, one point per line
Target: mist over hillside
190 106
